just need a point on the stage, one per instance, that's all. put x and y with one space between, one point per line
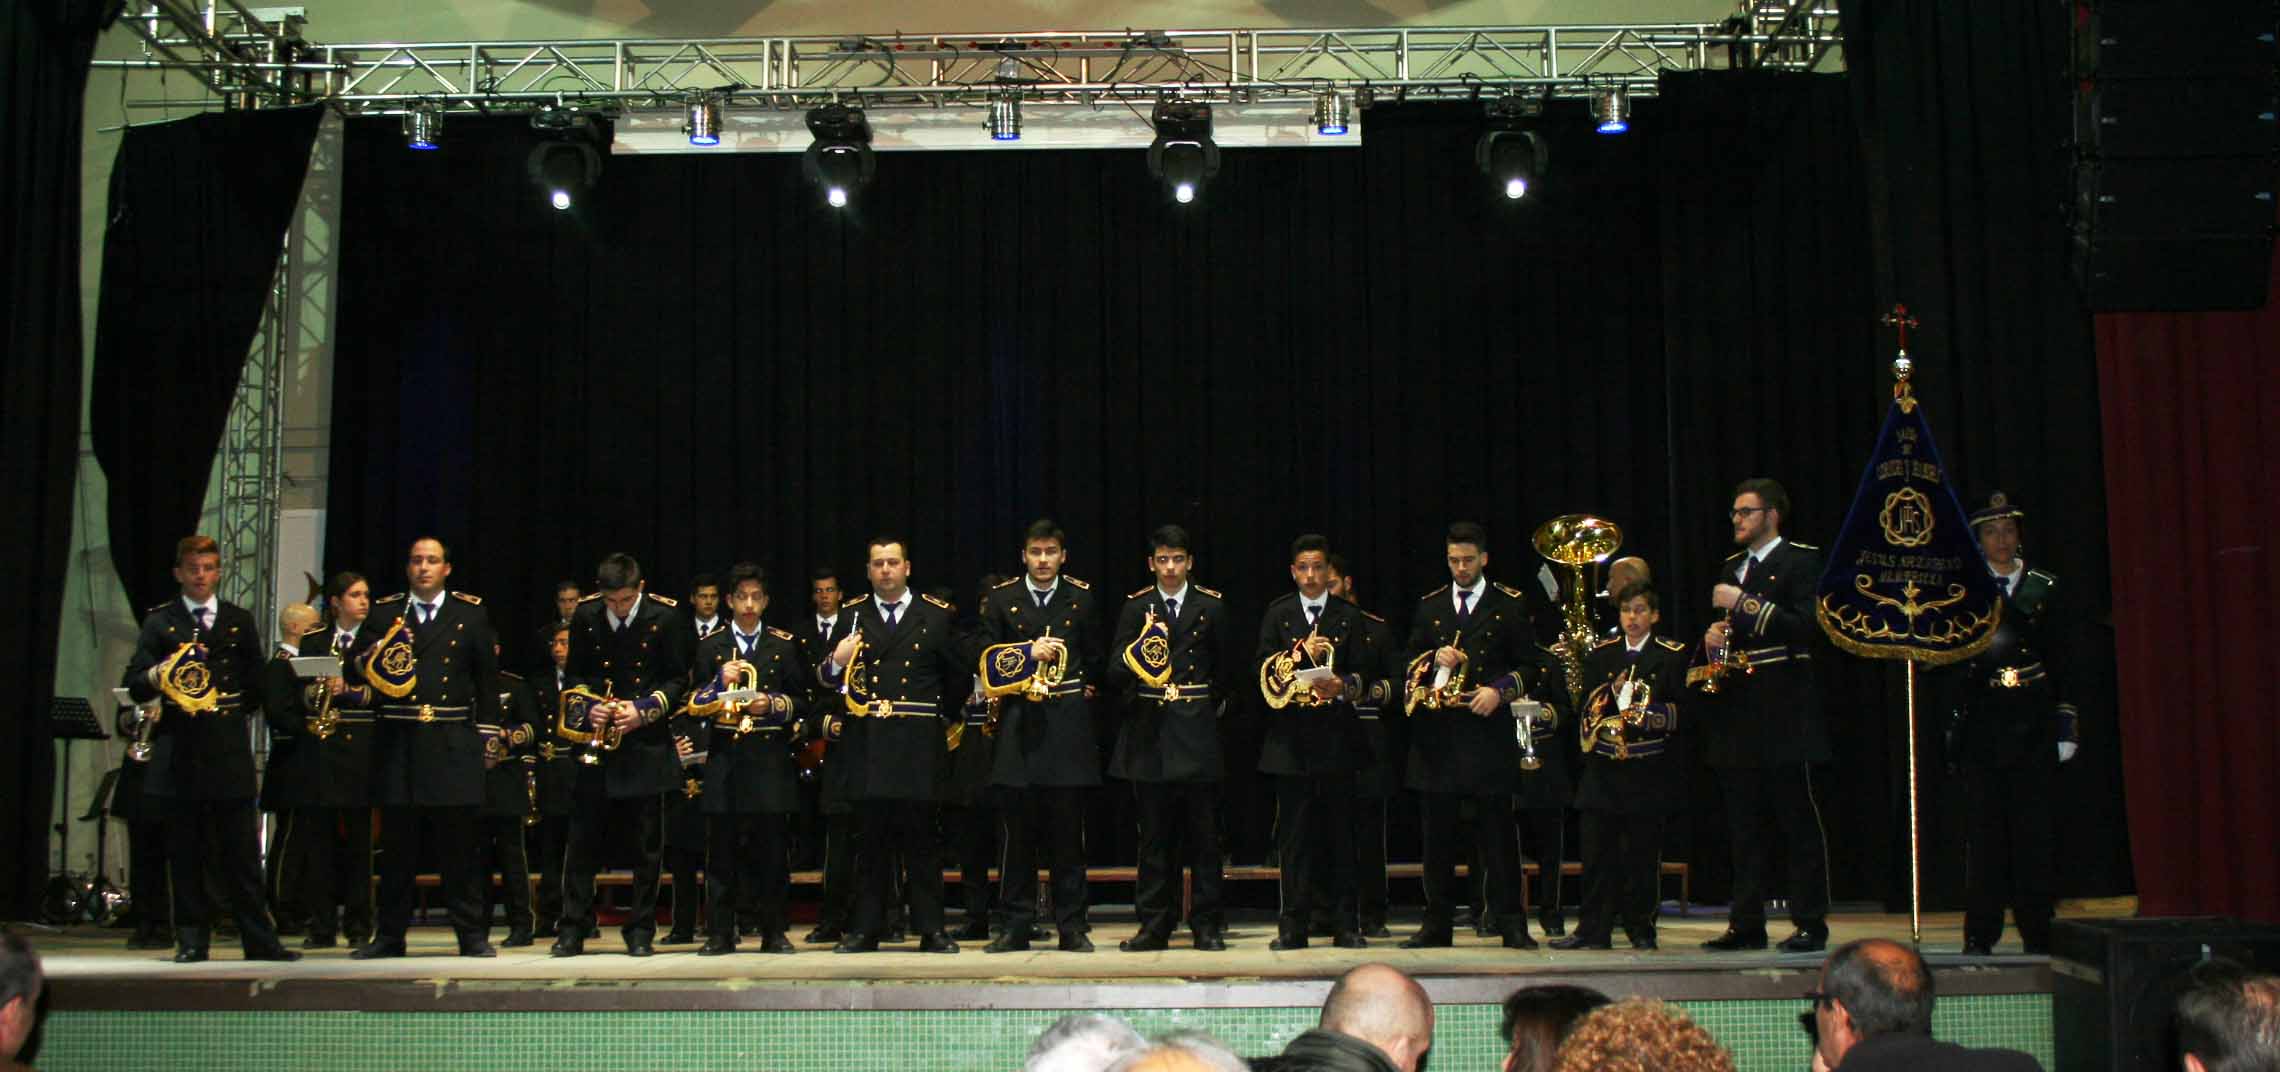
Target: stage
116 1008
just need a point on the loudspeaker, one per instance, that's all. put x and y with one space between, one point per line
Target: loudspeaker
2115 983
2175 136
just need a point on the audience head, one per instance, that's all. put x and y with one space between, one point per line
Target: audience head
1538 1018
2229 1021
1182 1051
1641 1035
20 987
1380 1005
1869 989
1083 1042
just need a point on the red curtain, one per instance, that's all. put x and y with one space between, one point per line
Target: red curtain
2192 427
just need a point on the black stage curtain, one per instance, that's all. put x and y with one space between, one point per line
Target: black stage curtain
43 86
701 362
1966 112
198 215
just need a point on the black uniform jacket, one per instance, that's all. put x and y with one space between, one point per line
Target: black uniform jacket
426 749
750 773
209 756
1176 740
836 777
1323 739
507 786
1049 741
918 672
555 758
1453 750
647 662
1648 776
284 780
1384 731
2013 695
1770 715
336 772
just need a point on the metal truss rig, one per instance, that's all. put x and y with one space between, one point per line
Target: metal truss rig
259 59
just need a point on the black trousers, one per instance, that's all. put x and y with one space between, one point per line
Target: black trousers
1622 873
1364 909
1495 849
841 832
683 864
500 843
335 846
1314 836
146 873
225 833
745 858
547 843
1545 834
1771 811
973 833
451 831
1179 827
1055 816
597 825
2010 856
897 836
281 873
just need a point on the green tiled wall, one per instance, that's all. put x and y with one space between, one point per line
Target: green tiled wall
1763 1035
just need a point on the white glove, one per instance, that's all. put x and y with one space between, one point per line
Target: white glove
2066 750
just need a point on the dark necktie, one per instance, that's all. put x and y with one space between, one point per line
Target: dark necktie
823 629
198 615
342 642
1742 575
891 609
427 613
2010 584
745 644
1171 612
1632 653
1464 605
1041 597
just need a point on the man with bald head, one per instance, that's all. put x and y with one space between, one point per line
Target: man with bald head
1874 1011
1621 574
1377 1019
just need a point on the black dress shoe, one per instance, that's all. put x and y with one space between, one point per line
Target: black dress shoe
1977 949
356 939
1076 942
719 945
190 955
1644 941
516 939
319 941
1145 942
777 943
379 949
1433 938
1285 943
1734 940
2035 949
1211 941
1376 930
680 937
825 933
150 938
1553 926
568 945
550 931
1804 941
1321 928
638 947
895 936
1007 943
477 948
275 952
975 930
1350 940
939 942
1581 941
1519 938
855 943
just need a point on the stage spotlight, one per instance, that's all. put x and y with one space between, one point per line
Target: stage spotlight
1511 155
704 120
1330 112
567 164
1611 109
1005 116
423 126
840 159
1183 155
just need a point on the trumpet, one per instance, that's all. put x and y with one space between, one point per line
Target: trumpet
1524 731
326 721
1727 660
139 722
576 710
1047 677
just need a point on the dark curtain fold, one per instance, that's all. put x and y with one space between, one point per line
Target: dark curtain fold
43 84
2191 430
198 213
703 363
1964 112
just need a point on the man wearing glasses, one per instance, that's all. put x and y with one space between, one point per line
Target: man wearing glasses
1766 732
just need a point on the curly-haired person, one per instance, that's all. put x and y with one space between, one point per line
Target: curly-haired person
1641 1035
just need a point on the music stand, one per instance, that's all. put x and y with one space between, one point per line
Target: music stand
70 719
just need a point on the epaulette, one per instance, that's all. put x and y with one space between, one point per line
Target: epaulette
1286 597
1141 592
780 634
510 674
590 596
395 598
158 608
465 598
937 602
1078 583
1441 591
1669 644
1803 546
1736 555
665 600
1003 583
1508 590
1373 617
2046 578
1617 639
857 601
1206 591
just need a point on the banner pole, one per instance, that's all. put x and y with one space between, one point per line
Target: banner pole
1915 853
